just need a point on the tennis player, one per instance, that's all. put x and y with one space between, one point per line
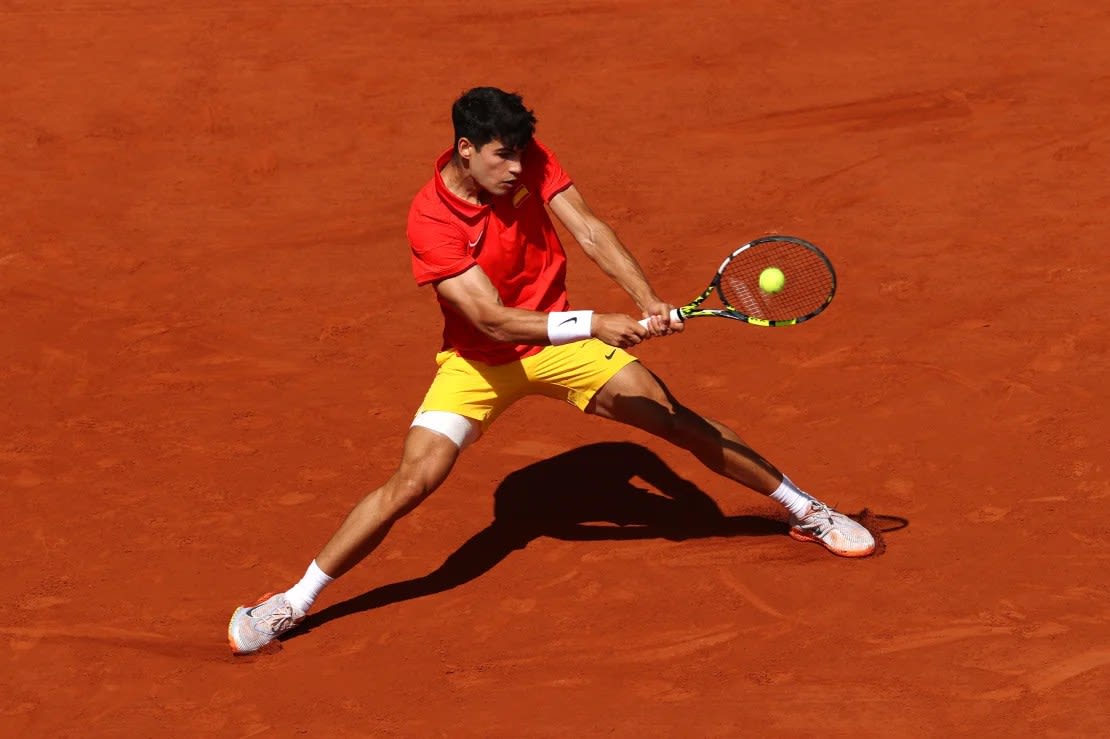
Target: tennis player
482 237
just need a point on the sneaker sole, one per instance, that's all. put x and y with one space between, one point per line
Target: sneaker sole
230 637
802 536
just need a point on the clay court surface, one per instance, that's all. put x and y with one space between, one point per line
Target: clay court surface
211 347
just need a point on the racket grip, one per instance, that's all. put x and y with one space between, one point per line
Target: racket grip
676 316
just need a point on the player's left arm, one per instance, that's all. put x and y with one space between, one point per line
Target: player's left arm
602 245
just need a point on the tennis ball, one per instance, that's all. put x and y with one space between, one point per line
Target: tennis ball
771 280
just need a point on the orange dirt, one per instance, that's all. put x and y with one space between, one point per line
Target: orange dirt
211 346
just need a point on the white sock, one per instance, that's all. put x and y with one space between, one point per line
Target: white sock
792 498
303 594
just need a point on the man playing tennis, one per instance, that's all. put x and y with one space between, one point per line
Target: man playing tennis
482 237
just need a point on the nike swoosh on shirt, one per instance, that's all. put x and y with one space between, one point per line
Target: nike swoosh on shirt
474 243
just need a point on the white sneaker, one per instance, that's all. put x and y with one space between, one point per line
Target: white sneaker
835 531
253 627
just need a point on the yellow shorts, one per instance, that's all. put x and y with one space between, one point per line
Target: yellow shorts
572 372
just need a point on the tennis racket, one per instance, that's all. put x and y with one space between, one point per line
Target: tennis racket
808 287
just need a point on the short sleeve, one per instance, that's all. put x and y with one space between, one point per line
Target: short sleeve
439 249
553 178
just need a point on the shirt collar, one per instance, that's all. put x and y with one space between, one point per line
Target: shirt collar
464 208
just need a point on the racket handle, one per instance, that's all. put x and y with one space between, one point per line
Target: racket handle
676 316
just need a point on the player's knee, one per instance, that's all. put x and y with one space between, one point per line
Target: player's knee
683 426
406 491
660 418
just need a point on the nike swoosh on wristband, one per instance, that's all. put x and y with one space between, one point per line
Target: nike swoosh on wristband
573 319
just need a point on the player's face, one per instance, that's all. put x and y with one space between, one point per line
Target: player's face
494 167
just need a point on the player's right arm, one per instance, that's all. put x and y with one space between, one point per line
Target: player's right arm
473 296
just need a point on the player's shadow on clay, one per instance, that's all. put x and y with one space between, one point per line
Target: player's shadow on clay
596 492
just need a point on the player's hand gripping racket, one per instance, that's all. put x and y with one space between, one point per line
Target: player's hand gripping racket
771 281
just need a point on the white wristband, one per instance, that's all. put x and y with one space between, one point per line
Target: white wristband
565 327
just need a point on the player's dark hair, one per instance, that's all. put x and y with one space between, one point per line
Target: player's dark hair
483 114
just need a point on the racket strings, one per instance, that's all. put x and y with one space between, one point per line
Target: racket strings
809 282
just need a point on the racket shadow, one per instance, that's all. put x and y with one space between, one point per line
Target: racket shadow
598 492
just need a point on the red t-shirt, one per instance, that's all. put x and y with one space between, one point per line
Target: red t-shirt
510 237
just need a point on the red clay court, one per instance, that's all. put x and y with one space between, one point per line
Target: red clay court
211 347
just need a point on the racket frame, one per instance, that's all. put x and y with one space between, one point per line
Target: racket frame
693 309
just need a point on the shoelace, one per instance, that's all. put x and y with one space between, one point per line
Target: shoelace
277 620
819 520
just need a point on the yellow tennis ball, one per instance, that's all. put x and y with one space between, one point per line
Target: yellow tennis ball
771 280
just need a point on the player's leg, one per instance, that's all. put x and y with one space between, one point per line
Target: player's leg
611 383
426 460
636 397
464 398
